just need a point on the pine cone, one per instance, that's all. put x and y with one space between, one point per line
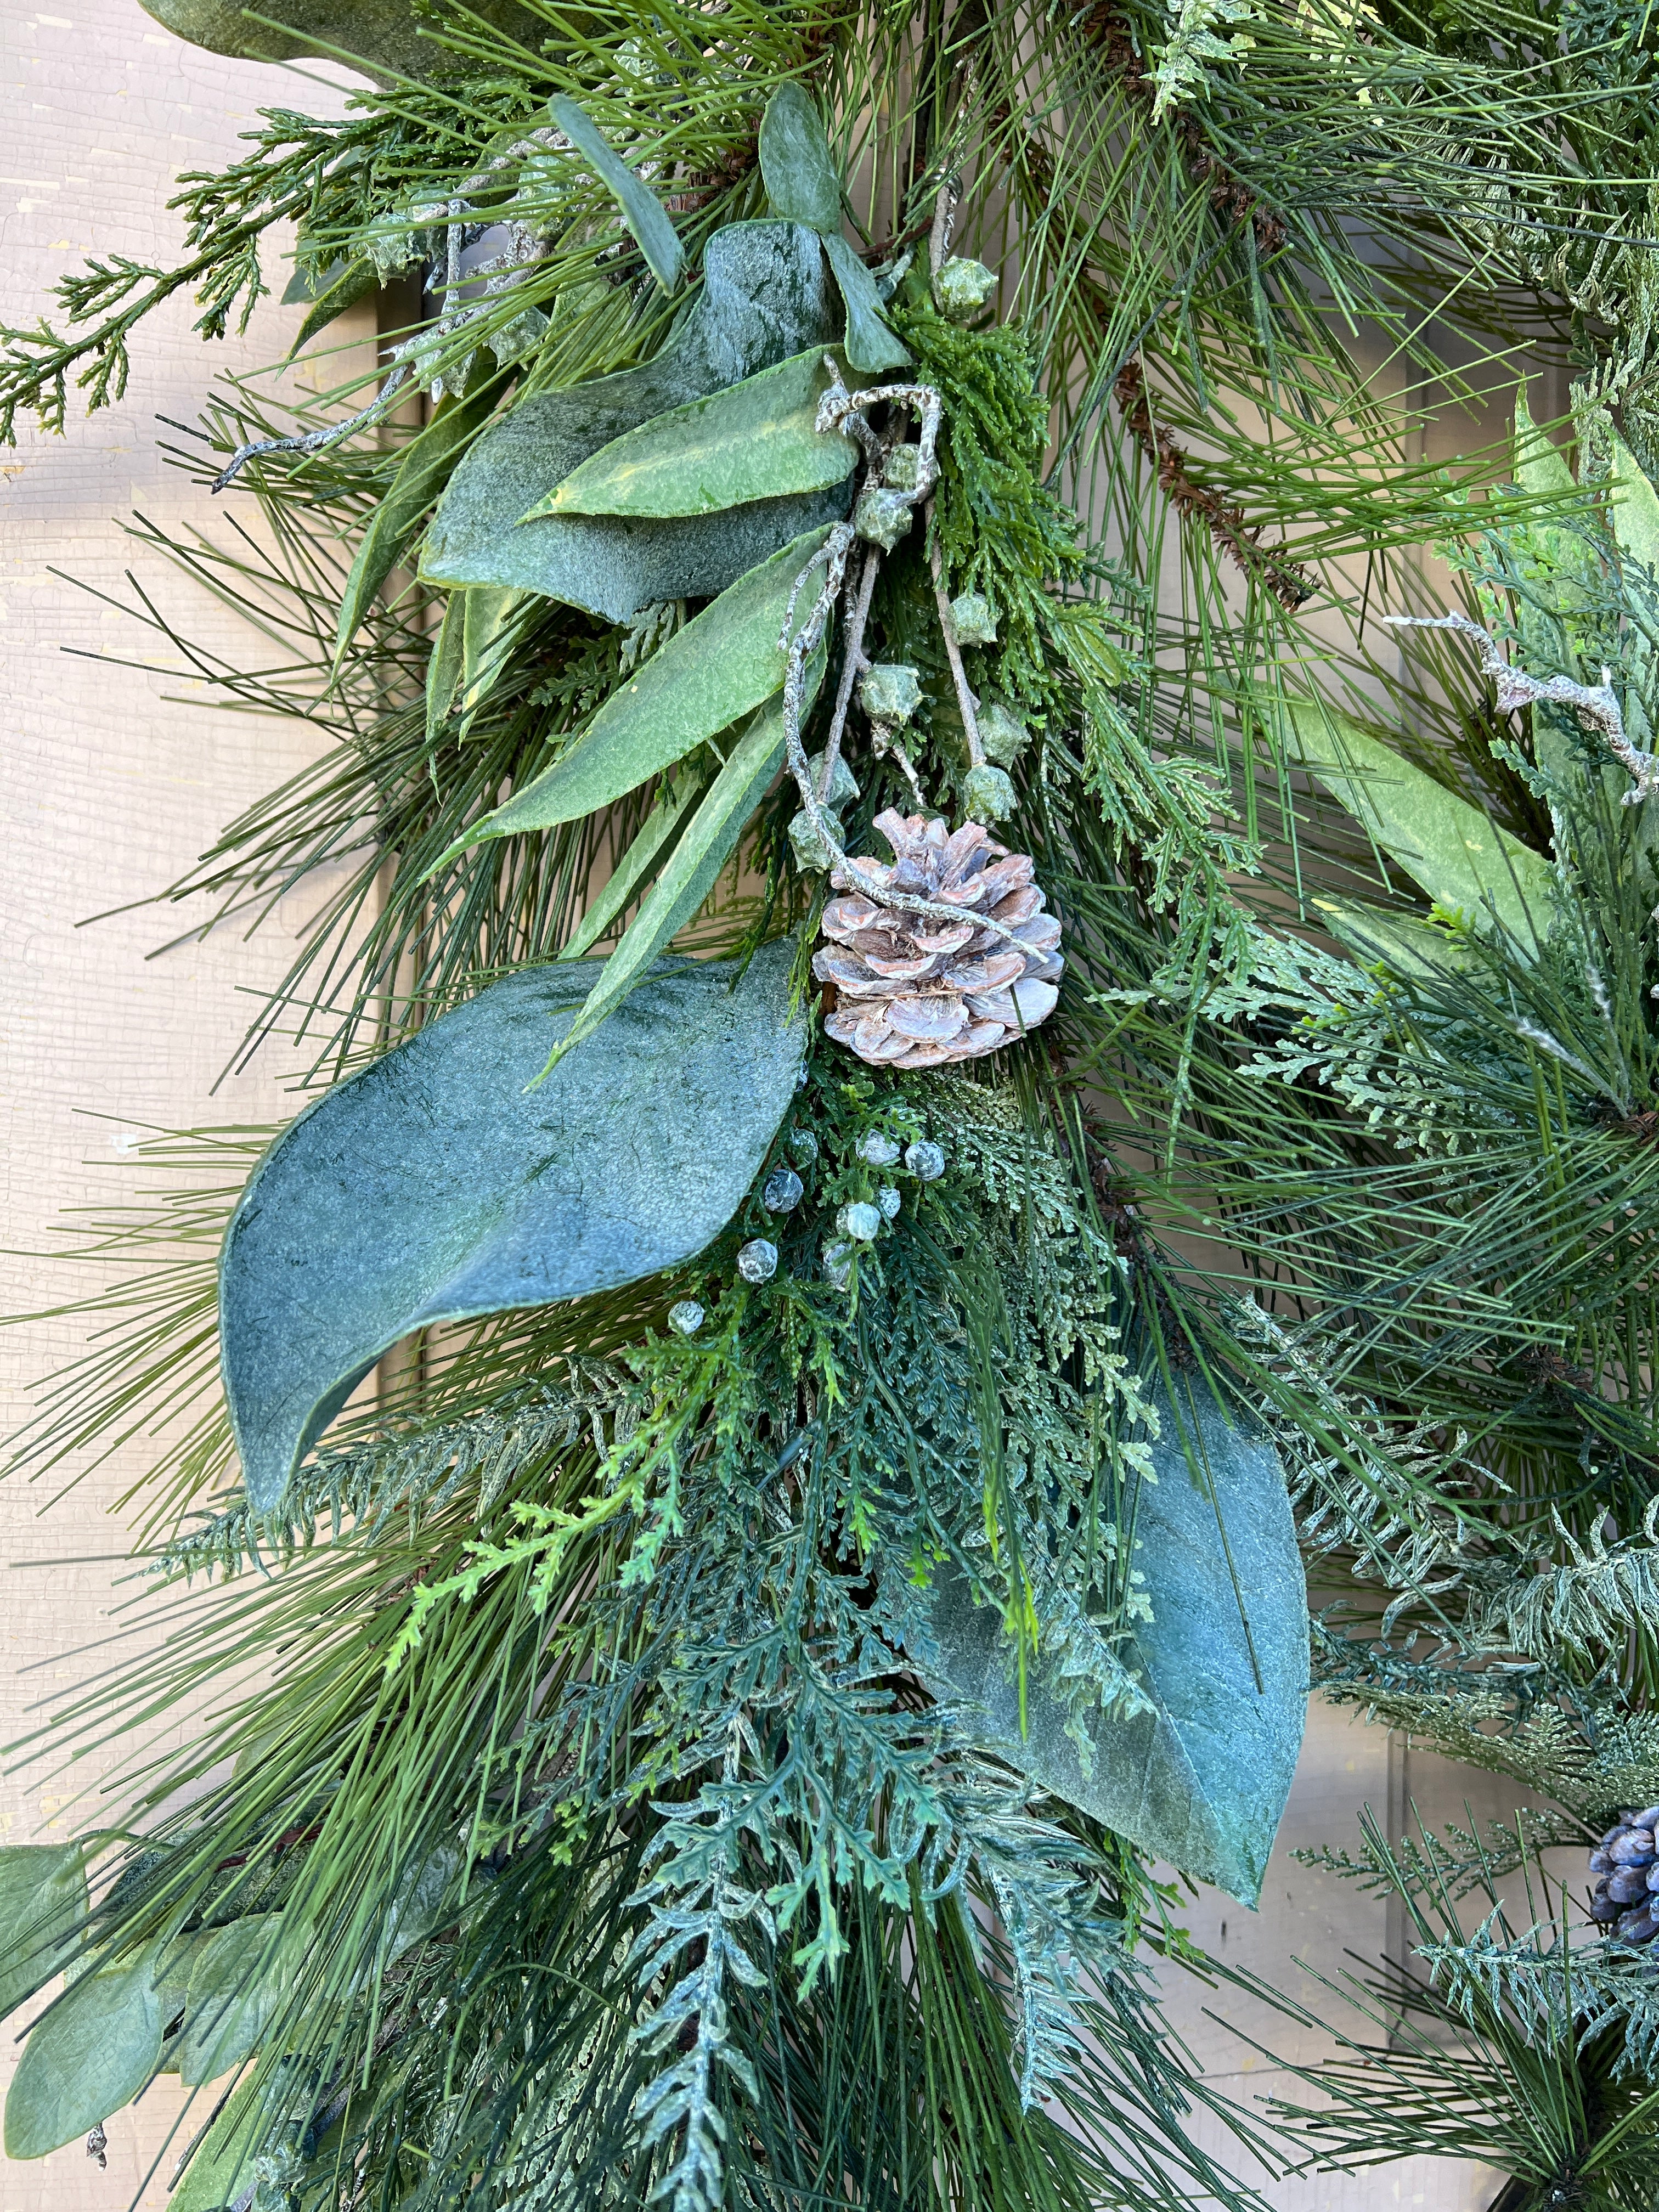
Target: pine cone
1627 1898
914 990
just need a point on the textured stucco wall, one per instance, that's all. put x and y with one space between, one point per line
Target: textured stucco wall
113 782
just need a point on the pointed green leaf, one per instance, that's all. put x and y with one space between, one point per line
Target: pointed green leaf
872 347
238 1979
423 472
43 1901
802 179
694 866
1465 863
766 296
347 283
91 2054
436 1186
659 831
709 674
756 440
1635 508
1409 947
220 2170
487 627
642 211
1201 1779
444 665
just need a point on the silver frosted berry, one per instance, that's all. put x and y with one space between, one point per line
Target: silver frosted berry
838 1261
903 468
781 1192
986 794
1002 733
975 618
802 1144
925 1161
757 1262
686 1317
877 1149
962 288
860 1220
888 1201
882 516
889 692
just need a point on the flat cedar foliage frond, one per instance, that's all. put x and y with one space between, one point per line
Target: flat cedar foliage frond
740 1475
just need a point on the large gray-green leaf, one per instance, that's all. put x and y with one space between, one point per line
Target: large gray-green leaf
381 35
642 211
91 2054
657 833
1201 1780
43 1900
428 460
756 440
797 167
709 674
437 1186
766 296
694 866
220 2170
1635 508
1464 862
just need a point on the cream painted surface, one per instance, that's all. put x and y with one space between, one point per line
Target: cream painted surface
114 781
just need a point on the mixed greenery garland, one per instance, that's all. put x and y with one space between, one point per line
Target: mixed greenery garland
863 1366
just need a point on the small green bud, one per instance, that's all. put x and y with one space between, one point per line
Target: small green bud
903 468
986 794
889 692
962 288
843 786
882 516
812 853
975 618
1003 735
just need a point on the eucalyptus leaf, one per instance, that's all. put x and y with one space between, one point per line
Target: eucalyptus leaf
756 440
656 834
765 296
1201 1779
445 664
43 1900
802 179
486 625
91 2054
238 1979
642 211
338 287
381 36
424 469
1635 508
694 866
437 1186
871 346
220 2170
1465 863
721 666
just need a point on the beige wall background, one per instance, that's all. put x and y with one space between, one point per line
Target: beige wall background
114 780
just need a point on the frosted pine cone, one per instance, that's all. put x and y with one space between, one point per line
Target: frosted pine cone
915 990
1627 1898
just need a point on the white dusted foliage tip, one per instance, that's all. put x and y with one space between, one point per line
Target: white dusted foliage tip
916 990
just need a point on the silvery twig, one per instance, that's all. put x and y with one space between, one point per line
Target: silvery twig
315 441
1593 703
